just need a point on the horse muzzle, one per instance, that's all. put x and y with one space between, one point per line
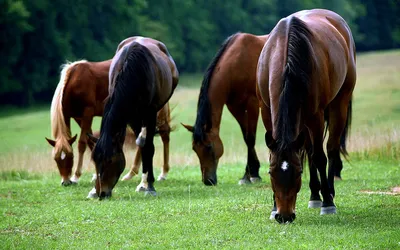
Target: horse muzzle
280 218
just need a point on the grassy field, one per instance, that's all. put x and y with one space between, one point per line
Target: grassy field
36 212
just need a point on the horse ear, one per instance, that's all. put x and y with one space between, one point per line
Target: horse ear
269 140
72 140
92 138
51 142
188 127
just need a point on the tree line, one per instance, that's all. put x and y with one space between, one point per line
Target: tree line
36 37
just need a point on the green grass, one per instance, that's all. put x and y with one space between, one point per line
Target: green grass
36 212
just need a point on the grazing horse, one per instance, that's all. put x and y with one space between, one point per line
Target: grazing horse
230 79
142 79
306 70
80 94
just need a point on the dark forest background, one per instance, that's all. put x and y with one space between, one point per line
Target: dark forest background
37 36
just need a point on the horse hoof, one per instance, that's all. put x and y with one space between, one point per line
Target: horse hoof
150 193
244 181
92 194
328 210
127 177
315 204
140 189
75 179
272 216
162 178
255 179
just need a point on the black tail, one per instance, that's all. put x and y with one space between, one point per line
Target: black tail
203 119
346 130
130 91
298 68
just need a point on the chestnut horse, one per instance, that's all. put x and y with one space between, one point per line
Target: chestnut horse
80 94
306 70
230 79
142 79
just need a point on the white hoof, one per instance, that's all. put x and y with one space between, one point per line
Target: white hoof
328 210
314 204
162 177
272 216
128 176
255 179
92 194
244 181
75 179
150 193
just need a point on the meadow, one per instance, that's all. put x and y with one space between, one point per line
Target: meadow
36 212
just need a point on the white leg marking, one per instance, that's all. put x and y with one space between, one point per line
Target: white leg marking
92 194
142 137
143 184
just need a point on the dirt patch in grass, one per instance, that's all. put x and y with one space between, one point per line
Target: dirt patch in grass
394 191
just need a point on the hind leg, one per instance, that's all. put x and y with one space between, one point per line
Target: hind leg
164 133
316 127
148 154
315 185
339 111
247 118
135 167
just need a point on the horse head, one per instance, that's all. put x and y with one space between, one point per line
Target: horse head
209 148
109 160
285 172
64 157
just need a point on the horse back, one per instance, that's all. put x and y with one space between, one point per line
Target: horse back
87 87
234 77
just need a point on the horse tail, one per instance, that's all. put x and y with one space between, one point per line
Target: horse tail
296 79
203 119
132 81
58 126
346 130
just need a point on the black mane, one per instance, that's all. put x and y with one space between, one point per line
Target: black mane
203 122
296 80
131 91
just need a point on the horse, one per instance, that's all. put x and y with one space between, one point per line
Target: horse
80 95
230 79
142 79
306 74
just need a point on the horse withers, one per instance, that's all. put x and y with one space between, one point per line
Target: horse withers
306 73
230 79
142 78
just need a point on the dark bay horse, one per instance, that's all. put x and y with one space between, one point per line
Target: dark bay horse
306 70
230 79
80 95
142 79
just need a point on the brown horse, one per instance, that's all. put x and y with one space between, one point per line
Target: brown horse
306 70
80 95
230 79
142 79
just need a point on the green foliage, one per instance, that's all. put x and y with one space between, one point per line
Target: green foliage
36 37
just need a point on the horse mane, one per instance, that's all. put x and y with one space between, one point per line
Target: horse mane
296 80
203 122
129 88
59 129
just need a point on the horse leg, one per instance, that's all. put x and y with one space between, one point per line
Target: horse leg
148 154
315 185
247 119
135 167
338 115
164 133
86 127
320 161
